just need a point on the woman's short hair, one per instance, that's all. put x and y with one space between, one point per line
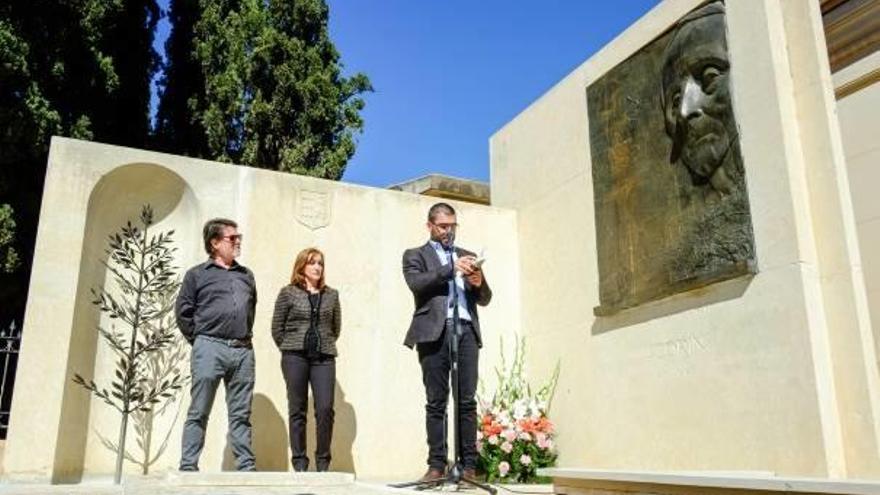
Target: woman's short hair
213 230
304 257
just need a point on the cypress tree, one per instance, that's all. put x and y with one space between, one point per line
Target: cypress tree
273 94
60 75
177 131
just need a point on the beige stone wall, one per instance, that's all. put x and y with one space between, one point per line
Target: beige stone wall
859 116
91 189
776 372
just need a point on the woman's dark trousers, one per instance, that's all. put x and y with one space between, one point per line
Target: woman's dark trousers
299 372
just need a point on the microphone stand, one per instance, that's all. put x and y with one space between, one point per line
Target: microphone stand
455 475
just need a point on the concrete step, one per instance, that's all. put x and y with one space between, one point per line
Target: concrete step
235 483
224 483
232 478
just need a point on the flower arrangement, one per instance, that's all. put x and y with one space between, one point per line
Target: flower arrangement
514 434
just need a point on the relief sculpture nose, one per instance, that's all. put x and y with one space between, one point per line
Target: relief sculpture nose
691 100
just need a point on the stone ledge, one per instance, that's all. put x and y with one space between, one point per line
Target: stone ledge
226 483
524 488
726 480
446 187
232 478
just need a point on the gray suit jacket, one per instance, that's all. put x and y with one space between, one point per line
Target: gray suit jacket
428 279
291 319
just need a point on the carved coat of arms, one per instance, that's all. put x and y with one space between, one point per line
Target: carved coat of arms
313 208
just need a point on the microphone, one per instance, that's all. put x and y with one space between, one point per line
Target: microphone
450 239
449 247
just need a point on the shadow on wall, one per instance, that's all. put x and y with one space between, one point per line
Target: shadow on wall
685 301
344 434
271 441
115 199
269 437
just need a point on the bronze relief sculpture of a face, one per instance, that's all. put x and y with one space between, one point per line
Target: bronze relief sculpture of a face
672 210
696 98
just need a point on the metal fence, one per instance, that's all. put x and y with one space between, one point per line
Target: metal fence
10 344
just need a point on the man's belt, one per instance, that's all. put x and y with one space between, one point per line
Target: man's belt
451 321
246 343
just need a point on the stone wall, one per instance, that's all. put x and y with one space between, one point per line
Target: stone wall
92 189
775 372
859 119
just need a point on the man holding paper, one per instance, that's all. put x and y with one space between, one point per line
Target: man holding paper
434 273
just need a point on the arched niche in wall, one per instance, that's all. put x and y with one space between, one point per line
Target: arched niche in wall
118 197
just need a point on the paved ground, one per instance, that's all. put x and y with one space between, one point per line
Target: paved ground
237 484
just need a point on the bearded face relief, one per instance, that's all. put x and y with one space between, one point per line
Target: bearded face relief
696 96
672 209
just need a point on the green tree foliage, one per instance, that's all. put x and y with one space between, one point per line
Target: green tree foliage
71 68
273 95
255 82
78 69
183 86
125 36
8 256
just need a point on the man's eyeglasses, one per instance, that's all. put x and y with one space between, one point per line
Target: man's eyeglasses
445 226
233 238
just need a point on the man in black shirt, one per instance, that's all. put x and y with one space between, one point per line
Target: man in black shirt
215 313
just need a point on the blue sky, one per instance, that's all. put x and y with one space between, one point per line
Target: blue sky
449 73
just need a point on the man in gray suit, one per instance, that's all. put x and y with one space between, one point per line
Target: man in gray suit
431 272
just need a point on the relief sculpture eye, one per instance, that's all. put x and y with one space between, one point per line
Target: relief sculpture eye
676 99
708 77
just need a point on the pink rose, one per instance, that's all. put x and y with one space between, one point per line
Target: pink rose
525 460
506 447
503 468
510 435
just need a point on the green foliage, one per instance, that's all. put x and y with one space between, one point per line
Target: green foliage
177 130
146 375
78 69
273 94
8 256
123 32
256 82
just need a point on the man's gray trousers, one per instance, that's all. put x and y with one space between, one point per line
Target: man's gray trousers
214 360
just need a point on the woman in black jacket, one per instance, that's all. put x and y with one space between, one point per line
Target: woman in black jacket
305 327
